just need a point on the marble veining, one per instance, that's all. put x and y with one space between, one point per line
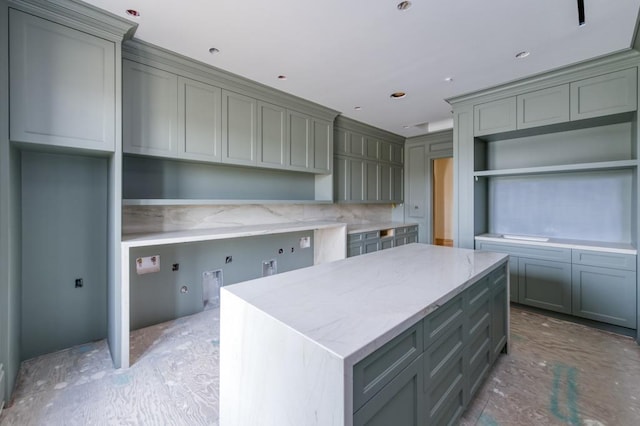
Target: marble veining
347 306
150 219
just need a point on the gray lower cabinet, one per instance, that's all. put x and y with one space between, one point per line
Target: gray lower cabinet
605 294
369 242
62 85
399 403
592 284
430 373
545 284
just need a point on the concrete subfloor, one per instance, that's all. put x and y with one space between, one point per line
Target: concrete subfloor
557 373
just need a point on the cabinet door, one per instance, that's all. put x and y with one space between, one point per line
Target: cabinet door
412 238
322 146
372 181
341 179
371 246
150 110
62 85
397 184
299 141
384 153
342 142
357 180
542 107
397 152
605 294
371 149
494 117
399 403
386 243
611 93
239 142
199 120
417 190
272 138
545 284
386 182
355 249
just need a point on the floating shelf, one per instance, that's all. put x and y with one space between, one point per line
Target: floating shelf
207 202
565 168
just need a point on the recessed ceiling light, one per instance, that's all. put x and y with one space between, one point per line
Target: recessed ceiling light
523 54
133 12
404 5
357 108
282 77
405 127
398 95
449 79
214 50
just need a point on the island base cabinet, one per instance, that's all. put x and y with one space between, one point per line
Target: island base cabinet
399 403
605 294
545 284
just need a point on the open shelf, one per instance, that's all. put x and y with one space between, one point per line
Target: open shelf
211 202
565 168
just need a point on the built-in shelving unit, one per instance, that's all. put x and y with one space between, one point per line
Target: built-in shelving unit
566 168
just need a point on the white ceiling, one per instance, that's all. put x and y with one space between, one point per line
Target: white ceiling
347 53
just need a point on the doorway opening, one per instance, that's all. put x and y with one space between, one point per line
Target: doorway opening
443 201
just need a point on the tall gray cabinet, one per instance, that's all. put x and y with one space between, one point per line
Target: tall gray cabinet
546 169
369 164
61 177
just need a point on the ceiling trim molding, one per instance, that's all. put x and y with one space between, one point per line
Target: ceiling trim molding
623 59
149 54
80 16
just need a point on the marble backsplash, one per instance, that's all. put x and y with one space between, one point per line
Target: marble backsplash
143 219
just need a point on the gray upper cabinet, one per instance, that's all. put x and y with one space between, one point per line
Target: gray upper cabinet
272 135
495 117
542 107
321 133
150 110
373 162
300 141
199 121
62 85
417 191
239 127
606 94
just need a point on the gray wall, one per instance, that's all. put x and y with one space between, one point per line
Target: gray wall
9 227
156 297
64 237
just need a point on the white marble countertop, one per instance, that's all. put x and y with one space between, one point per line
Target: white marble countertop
353 306
622 248
193 235
375 226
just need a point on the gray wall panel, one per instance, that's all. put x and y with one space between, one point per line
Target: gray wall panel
64 237
156 297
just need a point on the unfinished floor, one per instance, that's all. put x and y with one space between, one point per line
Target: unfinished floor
557 373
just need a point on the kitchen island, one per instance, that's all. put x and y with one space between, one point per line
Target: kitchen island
400 336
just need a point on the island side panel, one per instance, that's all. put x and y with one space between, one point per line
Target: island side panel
271 375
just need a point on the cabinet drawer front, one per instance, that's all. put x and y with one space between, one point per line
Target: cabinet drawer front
374 372
445 399
495 117
542 107
478 293
400 402
608 260
355 237
479 358
443 319
604 294
372 235
401 230
530 251
606 94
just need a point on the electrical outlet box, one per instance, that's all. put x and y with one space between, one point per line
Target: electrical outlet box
269 267
305 242
147 265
